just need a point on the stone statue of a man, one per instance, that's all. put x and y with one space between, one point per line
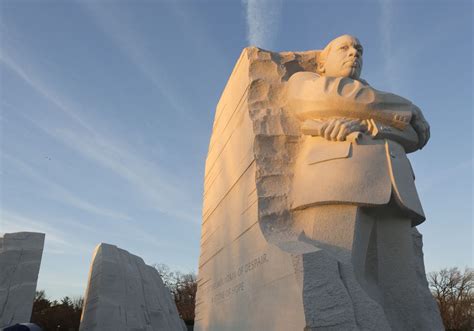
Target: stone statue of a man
353 174
365 131
310 204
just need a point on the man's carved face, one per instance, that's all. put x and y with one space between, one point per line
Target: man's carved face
344 58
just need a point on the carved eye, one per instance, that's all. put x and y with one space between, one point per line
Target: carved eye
344 48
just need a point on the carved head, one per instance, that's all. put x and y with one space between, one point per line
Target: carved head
342 57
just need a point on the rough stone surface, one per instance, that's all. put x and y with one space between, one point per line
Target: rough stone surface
281 247
20 259
125 294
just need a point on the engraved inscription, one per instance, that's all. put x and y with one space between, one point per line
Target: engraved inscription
241 271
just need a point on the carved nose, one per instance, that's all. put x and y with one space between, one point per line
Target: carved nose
354 52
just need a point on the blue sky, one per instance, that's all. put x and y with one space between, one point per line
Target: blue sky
107 109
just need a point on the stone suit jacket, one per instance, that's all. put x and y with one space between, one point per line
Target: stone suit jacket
366 172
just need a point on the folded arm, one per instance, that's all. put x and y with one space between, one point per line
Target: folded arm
421 126
334 107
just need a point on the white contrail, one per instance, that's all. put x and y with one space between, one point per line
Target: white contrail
386 27
263 18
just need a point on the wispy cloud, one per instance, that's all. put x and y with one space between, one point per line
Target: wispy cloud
60 193
198 36
134 47
67 242
263 18
56 241
43 90
164 191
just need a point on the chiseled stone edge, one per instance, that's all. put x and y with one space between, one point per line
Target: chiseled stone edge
20 241
277 134
88 321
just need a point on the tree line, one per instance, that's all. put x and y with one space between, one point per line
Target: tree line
65 314
454 293
452 288
183 287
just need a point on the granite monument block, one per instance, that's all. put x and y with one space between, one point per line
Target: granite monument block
20 259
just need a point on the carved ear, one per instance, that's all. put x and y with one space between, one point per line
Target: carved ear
320 67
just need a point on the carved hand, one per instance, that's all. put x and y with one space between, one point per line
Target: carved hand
421 127
338 129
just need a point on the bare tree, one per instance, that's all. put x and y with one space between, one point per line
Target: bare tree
168 276
185 296
183 287
454 293
78 302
